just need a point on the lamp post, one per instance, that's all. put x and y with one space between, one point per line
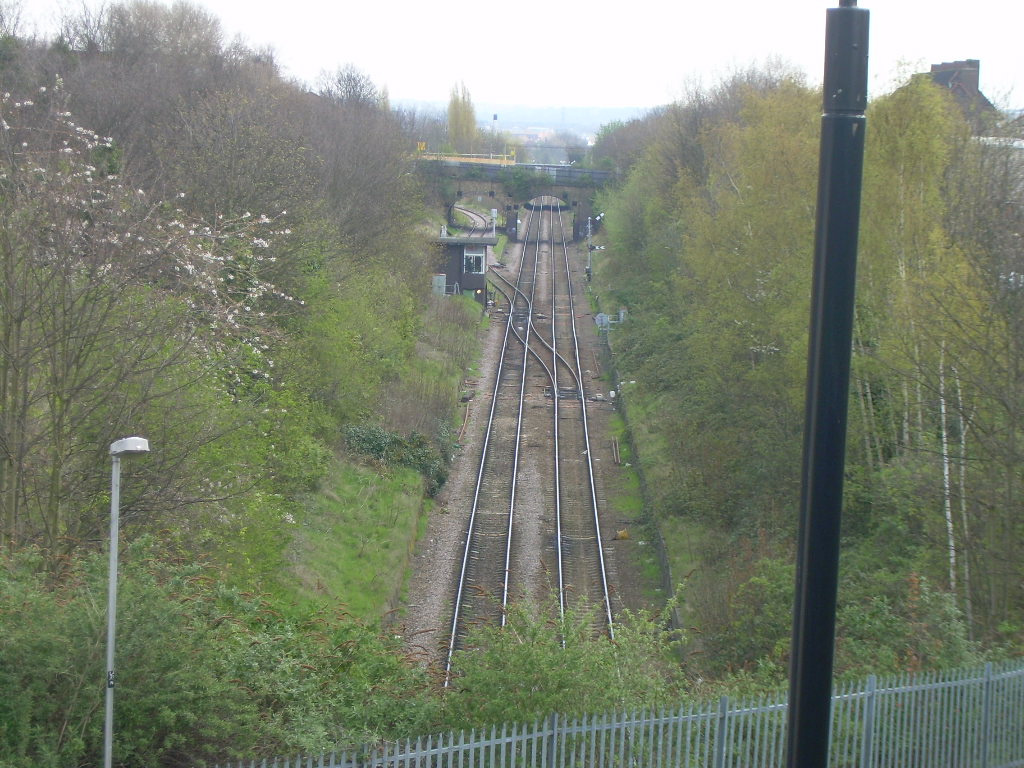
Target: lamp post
126 446
840 176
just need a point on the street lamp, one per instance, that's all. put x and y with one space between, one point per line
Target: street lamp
126 446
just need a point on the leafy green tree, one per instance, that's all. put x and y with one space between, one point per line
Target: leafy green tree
709 240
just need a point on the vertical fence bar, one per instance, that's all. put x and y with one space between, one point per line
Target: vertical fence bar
949 716
720 735
867 739
837 726
995 723
621 731
1018 685
755 733
683 736
655 726
965 699
627 739
641 742
549 751
997 727
882 700
746 734
936 740
1018 713
899 722
920 711
602 741
674 726
986 715
708 726
933 739
961 706
738 733
918 698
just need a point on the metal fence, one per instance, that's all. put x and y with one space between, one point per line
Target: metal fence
962 719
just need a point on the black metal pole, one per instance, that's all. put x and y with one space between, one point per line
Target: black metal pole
828 378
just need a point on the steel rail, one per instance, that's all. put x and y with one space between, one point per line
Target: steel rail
527 332
479 223
555 398
484 453
586 436
519 416
575 371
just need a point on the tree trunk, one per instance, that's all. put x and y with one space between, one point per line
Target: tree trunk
965 537
947 501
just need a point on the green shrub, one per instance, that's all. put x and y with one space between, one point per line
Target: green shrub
536 665
204 671
391 449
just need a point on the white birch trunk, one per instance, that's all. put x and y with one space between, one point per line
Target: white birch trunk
965 537
947 495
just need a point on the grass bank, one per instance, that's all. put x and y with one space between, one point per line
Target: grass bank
355 535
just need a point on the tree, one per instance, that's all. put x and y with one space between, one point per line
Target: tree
230 151
132 66
463 134
113 320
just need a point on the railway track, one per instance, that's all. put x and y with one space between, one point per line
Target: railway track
479 223
534 523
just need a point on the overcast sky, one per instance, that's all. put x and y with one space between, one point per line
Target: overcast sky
598 53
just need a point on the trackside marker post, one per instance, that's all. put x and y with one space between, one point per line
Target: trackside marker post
828 377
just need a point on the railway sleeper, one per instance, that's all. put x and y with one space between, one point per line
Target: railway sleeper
564 393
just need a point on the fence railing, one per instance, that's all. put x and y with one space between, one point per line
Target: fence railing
961 719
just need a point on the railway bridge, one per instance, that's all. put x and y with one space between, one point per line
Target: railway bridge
495 182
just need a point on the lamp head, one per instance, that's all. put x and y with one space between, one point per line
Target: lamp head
128 446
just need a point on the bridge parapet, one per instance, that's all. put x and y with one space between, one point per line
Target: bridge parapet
503 168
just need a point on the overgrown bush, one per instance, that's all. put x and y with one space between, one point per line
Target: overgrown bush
392 449
887 623
537 665
204 671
